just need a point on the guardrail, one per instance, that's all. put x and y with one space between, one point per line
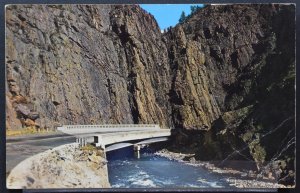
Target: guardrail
109 126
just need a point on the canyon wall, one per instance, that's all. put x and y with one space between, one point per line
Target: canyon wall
85 65
236 68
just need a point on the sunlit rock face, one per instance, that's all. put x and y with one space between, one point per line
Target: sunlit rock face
224 78
233 74
233 70
86 65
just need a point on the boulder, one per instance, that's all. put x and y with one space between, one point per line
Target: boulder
29 123
33 115
23 110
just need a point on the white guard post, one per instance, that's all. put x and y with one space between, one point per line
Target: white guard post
98 141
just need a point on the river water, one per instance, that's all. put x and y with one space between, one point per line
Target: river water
125 170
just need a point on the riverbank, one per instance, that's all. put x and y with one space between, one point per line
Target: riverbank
66 166
236 178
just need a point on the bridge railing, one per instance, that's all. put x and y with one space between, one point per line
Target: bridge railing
110 126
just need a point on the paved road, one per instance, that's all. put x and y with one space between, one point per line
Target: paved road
20 148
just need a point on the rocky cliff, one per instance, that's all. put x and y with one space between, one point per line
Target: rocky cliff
224 78
233 74
239 76
85 65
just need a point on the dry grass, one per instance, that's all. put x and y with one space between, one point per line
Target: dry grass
91 148
26 131
88 147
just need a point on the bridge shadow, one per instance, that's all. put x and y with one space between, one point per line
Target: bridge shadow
126 150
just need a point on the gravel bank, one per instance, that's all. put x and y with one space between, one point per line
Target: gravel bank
239 179
66 166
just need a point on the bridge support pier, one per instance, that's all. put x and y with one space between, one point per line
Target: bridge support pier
98 141
137 149
82 141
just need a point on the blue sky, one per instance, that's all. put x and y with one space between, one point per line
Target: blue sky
167 14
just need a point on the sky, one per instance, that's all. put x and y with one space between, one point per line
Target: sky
167 15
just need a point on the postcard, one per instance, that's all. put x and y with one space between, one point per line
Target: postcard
177 96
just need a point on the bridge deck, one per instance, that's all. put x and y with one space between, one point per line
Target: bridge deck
112 134
110 138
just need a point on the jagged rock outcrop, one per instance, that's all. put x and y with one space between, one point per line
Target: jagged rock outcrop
86 65
224 78
238 67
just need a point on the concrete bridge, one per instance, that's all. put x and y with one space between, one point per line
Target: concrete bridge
116 134
137 146
107 128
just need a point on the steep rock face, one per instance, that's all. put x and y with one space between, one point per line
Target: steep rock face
237 77
86 65
210 53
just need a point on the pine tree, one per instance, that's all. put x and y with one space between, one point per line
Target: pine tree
182 17
193 9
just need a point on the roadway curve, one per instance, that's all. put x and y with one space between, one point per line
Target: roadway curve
20 148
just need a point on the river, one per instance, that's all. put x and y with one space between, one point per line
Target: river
151 171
